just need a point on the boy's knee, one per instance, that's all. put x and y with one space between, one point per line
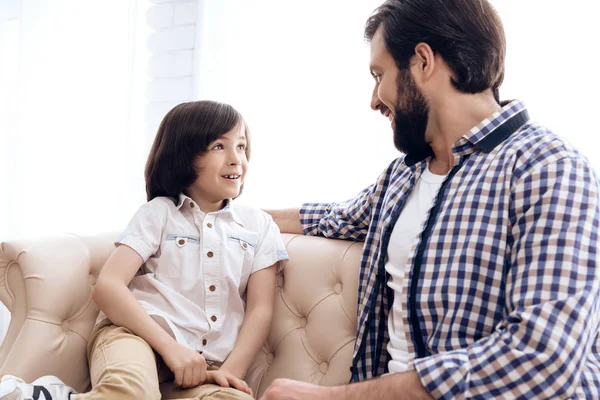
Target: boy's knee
228 394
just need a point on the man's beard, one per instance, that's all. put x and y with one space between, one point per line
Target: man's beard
410 117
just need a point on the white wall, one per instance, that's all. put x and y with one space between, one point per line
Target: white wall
552 64
299 74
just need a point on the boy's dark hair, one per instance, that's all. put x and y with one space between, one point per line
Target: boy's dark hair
468 34
185 133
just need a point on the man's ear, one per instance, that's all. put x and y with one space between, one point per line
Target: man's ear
423 63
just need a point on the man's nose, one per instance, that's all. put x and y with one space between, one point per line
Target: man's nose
375 101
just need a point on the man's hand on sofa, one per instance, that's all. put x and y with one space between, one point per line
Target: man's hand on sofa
405 385
287 389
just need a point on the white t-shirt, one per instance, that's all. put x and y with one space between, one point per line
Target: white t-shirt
196 267
404 237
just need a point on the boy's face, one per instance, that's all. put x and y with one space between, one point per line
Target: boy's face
221 170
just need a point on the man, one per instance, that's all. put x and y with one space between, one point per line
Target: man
479 276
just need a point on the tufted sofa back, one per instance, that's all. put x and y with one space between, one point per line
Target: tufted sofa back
46 284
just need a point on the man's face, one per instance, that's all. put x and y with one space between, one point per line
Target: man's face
398 98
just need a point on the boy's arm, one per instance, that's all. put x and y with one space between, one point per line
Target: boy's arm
257 321
111 293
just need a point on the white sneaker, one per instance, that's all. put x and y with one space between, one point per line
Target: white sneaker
44 388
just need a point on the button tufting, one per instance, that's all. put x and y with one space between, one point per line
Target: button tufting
270 358
303 322
323 367
338 288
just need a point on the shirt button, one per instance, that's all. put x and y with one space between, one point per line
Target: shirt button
212 288
209 225
192 205
210 254
204 342
181 242
245 245
213 318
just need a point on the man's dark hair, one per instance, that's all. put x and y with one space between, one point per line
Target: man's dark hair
468 34
185 133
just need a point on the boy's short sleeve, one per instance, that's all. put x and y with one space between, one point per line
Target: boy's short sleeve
270 248
144 232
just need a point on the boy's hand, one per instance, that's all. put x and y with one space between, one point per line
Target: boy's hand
188 366
225 378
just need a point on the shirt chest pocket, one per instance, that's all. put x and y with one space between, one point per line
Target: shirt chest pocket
240 251
180 253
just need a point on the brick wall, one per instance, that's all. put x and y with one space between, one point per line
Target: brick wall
171 63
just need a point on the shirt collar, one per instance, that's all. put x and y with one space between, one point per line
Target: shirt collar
228 209
486 135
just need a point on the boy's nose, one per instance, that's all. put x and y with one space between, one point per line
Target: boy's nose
235 159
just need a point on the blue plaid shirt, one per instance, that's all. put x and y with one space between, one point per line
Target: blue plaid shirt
501 294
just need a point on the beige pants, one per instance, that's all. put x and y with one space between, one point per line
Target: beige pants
124 366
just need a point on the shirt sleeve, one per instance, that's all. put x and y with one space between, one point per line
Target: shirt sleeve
144 232
270 248
551 295
350 219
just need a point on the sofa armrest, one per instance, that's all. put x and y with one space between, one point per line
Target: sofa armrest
46 284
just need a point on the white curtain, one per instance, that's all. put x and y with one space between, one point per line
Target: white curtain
69 115
299 74
72 75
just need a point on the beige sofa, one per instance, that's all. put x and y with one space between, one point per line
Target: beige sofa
46 284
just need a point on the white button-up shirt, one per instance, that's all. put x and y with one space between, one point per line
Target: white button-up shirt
196 267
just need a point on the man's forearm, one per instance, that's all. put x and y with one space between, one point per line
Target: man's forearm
400 386
404 386
288 220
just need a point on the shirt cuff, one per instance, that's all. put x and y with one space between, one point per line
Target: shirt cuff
443 375
268 260
137 244
311 215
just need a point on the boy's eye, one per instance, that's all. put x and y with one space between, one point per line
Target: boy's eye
242 147
377 78
218 147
